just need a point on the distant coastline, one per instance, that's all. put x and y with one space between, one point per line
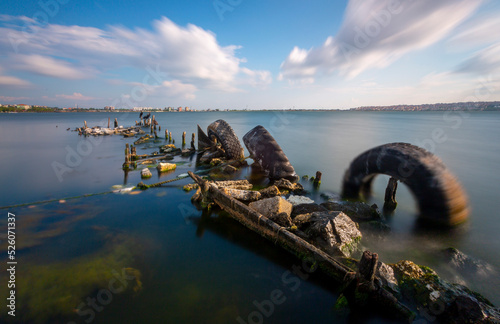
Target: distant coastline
457 106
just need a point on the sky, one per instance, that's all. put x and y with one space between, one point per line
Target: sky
242 54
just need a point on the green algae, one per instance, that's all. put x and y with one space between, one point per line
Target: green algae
55 290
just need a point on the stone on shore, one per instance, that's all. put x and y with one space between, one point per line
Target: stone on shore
306 209
145 173
270 207
269 192
243 195
288 185
334 232
163 167
456 303
234 184
299 200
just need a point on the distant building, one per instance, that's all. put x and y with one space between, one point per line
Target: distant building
187 109
109 108
23 106
179 109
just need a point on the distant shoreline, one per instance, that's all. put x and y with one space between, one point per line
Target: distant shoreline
457 106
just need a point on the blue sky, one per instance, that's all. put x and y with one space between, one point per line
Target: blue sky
248 54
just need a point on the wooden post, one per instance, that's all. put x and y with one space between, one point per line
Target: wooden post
85 123
183 138
116 122
317 180
109 120
156 135
159 128
126 164
390 202
170 137
166 134
192 141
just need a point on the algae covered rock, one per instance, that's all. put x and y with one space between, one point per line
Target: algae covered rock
334 232
447 302
145 173
163 167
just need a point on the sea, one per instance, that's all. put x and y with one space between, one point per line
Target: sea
88 249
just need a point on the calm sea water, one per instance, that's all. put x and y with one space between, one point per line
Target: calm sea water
202 268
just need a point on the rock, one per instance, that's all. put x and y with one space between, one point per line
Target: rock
298 200
449 302
358 211
209 155
302 220
235 184
186 152
334 232
272 206
167 148
190 187
163 167
288 185
243 195
306 209
330 196
145 173
466 309
386 275
282 219
269 192
229 169
468 266
215 161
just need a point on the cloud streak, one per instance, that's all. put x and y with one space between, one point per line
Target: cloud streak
187 55
375 33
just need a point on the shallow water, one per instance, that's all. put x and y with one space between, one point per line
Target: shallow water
208 269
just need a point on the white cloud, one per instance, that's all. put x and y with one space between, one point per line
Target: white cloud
257 78
176 88
49 66
74 96
12 99
486 61
6 80
478 31
189 54
375 33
